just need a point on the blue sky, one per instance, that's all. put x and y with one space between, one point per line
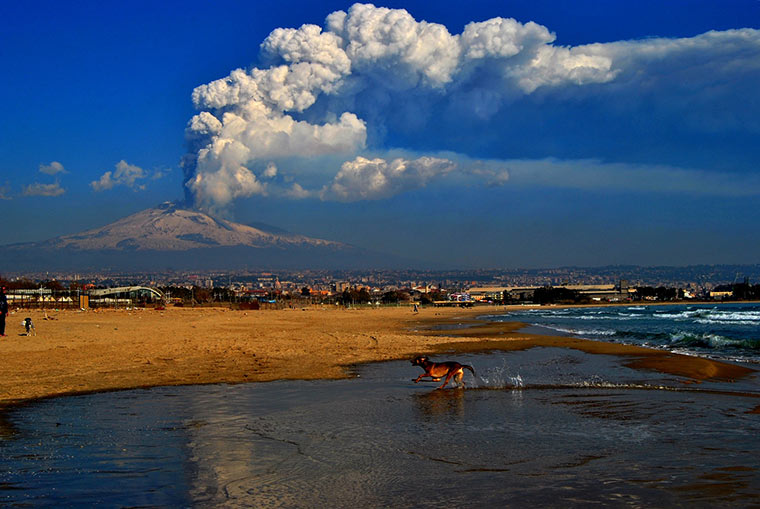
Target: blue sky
496 134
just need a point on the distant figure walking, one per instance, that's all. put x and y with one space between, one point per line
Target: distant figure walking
29 326
416 308
3 310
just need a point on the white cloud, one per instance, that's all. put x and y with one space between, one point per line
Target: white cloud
38 189
339 90
270 171
297 192
373 179
502 38
391 46
492 177
53 168
220 178
308 44
124 174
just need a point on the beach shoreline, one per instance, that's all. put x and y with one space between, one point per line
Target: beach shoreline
78 352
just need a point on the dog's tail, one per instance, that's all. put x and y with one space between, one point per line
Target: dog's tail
470 368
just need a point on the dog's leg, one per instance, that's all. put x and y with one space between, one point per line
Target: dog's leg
448 377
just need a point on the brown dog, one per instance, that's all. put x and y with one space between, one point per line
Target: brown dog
438 370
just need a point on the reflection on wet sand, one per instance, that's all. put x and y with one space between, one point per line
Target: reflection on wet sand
215 460
231 459
539 427
440 403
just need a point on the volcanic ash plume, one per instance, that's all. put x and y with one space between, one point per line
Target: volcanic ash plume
318 86
329 111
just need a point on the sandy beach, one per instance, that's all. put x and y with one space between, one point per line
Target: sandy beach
99 350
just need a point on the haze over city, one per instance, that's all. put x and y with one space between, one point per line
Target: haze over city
491 134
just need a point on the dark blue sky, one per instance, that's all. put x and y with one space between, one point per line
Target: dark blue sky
584 133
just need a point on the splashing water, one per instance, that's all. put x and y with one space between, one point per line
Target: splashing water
499 377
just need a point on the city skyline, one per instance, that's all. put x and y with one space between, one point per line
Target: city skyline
502 134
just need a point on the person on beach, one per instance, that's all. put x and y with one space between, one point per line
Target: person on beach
3 310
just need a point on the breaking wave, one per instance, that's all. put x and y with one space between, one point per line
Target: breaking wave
712 341
728 331
585 332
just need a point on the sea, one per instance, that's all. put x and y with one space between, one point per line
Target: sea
543 427
720 331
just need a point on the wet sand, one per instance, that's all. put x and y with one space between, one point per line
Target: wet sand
79 352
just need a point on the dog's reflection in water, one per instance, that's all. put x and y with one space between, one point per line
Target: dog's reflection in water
446 403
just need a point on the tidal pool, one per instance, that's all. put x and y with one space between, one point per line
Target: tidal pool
546 427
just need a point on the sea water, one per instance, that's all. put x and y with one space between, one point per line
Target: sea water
722 331
545 427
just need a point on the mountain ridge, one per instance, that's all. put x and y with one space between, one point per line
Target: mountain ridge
172 236
172 228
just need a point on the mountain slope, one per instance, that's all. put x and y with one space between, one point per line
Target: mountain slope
169 237
169 228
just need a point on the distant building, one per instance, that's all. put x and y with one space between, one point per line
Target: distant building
605 293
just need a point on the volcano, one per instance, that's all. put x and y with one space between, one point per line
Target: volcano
171 237
170 228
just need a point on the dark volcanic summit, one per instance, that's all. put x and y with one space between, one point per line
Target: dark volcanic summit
172 237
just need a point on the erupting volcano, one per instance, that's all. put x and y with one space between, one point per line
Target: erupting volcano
169 236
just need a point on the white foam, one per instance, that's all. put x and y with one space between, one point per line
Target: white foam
730 316
709 321
586 332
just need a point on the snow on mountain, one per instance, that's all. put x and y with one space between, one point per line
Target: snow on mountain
170 228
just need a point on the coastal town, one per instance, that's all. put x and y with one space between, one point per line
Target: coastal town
387 287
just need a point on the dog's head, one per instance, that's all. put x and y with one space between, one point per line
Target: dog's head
419 360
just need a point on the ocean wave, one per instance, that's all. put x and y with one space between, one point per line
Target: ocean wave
548 312
695 313
712 341
584 332
711 321
660 337
734 316
634 316
721 331
607 317
713 316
